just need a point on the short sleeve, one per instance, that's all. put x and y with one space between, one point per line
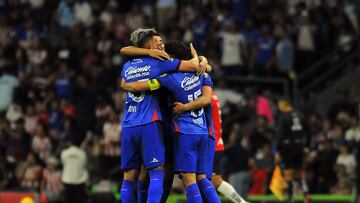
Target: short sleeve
168 65
207 80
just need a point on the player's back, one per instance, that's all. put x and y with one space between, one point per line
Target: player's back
186 87
143 107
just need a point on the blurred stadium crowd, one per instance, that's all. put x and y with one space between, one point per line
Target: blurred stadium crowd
60 63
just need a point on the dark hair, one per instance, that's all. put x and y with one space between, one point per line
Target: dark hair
178 50
145 36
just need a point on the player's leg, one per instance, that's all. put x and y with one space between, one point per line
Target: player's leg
153 155
130 163
226 189
205 150
169 159
222 186
185 160
142 185
168 180
127 188
193 194
291 155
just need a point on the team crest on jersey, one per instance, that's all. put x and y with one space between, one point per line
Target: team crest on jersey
137 97
189 83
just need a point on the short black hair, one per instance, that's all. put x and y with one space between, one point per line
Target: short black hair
145 36
178 50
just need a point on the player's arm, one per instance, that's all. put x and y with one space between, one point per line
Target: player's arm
136 51
152 84
202 101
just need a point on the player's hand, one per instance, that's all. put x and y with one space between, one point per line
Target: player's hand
208 68
203 61
158 54
193 51
202 69
202 65
179 108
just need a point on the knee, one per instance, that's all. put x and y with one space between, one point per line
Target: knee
216 180
131 175
188 179
200 177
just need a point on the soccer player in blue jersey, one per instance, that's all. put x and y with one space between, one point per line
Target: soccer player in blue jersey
191 137
158 52
141 136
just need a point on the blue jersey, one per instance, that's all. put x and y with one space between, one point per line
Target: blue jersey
185 88
143 107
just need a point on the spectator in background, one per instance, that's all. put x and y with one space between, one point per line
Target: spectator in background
165 11
353 133
62 82
305 39
17 145
263 52
41 144
36 54
111 149
83 12
347 159
238 173
259 177
284 51
135 18
85 103
13 114
29 172
233 51
323 167
6 174
75 173
56 120
51 181
66 17
259 136
200 27
8 83
342 187
31 120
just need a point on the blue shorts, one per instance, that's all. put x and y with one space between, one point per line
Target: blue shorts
210 158
142 144
190 152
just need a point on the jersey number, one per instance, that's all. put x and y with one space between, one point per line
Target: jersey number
193 97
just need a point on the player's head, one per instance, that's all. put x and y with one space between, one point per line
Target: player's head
147 38
177 49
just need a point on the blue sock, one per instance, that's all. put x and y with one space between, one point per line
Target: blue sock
156 186
142 191
193 194
208 190
127 191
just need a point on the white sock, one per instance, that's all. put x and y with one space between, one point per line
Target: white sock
229 192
